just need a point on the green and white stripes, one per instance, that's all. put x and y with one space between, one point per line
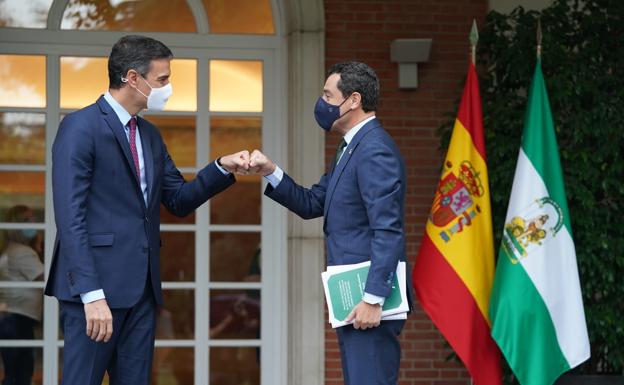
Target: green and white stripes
536 306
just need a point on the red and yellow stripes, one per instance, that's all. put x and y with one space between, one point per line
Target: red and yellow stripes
454 270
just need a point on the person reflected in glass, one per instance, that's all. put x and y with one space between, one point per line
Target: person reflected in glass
22 307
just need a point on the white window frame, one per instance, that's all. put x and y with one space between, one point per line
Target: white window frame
203 47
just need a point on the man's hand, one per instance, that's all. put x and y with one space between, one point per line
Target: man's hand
365 315
260 164
99 320
237 163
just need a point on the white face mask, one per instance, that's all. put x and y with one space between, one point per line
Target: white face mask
158 97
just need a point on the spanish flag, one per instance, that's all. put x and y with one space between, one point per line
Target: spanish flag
454 269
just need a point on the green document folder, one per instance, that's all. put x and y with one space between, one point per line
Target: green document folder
346 290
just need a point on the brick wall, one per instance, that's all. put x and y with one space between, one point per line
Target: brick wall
363 30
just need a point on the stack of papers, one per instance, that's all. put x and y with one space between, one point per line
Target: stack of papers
344 288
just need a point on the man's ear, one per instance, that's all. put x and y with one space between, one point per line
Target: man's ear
357 100
131 78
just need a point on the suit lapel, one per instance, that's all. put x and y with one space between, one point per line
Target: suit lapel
344 160
118 130
146 143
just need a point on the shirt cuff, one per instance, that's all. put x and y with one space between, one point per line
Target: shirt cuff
276 177
92 296
224 171
373 299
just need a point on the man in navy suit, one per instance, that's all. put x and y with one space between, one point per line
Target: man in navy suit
361 200
110 173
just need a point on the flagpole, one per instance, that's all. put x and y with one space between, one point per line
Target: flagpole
539 39
474 38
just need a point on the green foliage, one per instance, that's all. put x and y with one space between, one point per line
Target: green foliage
583 65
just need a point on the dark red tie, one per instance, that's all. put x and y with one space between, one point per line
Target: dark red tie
133 147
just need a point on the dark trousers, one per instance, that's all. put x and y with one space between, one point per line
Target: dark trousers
371 356
127 356
19 363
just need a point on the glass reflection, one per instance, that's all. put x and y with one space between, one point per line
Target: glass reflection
78 93
235 257
229 135
83 80
24 14
26 371
177 256
178 132
21 309
173 366
22 138
235 314
240 16
23 79
235 366
184 83
236 85
129 15
176 319
22 188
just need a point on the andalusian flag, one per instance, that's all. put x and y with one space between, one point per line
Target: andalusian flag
536 306
455 266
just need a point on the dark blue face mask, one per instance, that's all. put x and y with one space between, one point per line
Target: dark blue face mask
326 114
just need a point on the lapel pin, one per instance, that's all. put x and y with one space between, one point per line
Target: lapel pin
350 151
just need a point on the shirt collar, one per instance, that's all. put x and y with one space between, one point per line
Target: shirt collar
351 133
123 115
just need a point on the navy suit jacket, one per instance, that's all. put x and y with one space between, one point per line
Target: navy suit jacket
107 237
362 200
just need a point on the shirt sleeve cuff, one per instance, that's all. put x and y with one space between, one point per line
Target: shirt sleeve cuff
373 299
276 177
92 296
224 171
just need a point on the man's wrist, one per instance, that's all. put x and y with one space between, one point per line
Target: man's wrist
372 299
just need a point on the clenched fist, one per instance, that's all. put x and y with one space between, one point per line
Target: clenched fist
237 163
261 164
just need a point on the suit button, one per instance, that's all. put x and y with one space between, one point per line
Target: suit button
146 219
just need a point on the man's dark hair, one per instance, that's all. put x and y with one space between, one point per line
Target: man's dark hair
358 77
134 52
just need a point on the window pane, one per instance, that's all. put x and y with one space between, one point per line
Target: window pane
125 15
83 80
23 80
235 257
235 366
173 366
167 218
178 132
235 314
240 16
229 135
22 138
23 250
177 256
21 307
176 319
24 14
184 83
22 188
78 93
19 360
235 85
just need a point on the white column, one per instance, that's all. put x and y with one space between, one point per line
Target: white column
306 259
